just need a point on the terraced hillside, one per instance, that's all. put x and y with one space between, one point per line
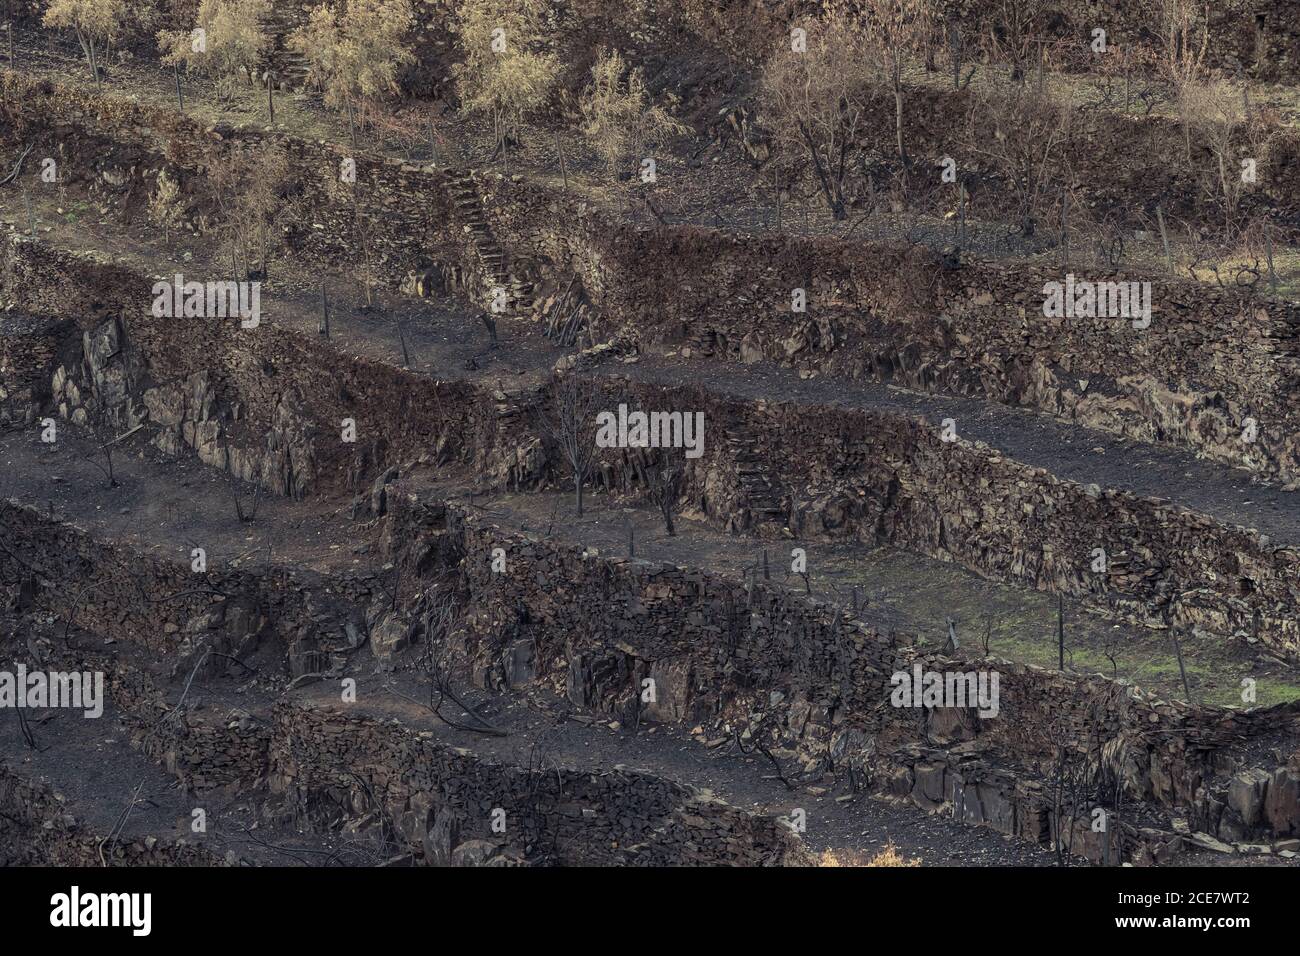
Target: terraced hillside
320 456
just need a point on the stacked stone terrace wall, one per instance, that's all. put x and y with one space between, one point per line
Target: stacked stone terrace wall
1211 358
266 404
440 796
36 829
595 627
840 473
334 768
792 671
764 663
1118 160
1258 36
882 477
764 637
164 607
29 349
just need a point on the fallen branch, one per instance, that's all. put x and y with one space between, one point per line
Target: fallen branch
18 167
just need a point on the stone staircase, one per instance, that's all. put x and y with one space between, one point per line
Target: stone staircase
469 207
761 492
288 67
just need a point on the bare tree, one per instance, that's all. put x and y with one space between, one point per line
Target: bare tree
665 477
97 23
1027 144
814 102
249 190
1184 38
1011 39
897 31
506 72
571 422
166 207
245 515
437 663
354 52
618 117
105 436
1215 111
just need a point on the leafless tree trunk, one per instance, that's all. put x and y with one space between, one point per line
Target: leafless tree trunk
665 476
571 423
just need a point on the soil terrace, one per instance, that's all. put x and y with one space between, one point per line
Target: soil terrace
348 685
436 339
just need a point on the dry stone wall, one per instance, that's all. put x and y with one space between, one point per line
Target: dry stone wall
840 473
1211 359
266 404
295 615
755 661
442 798
29 351
761 663
37 830
1255 36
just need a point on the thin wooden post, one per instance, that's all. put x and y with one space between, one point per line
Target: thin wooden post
559 149
324 327
1164 238
954 46
776 184
1065 229
961 227
401 335
1182 670
1060 632
1268 248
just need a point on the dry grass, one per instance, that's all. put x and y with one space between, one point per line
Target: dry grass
889 856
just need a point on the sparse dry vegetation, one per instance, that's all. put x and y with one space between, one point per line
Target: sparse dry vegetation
618 118
506 74
888 857
355 51
166 208
227 40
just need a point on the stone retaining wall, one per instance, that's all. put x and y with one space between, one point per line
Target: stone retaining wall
440 798
35 829
1211 359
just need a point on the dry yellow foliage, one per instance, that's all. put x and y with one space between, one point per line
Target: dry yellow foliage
889 856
